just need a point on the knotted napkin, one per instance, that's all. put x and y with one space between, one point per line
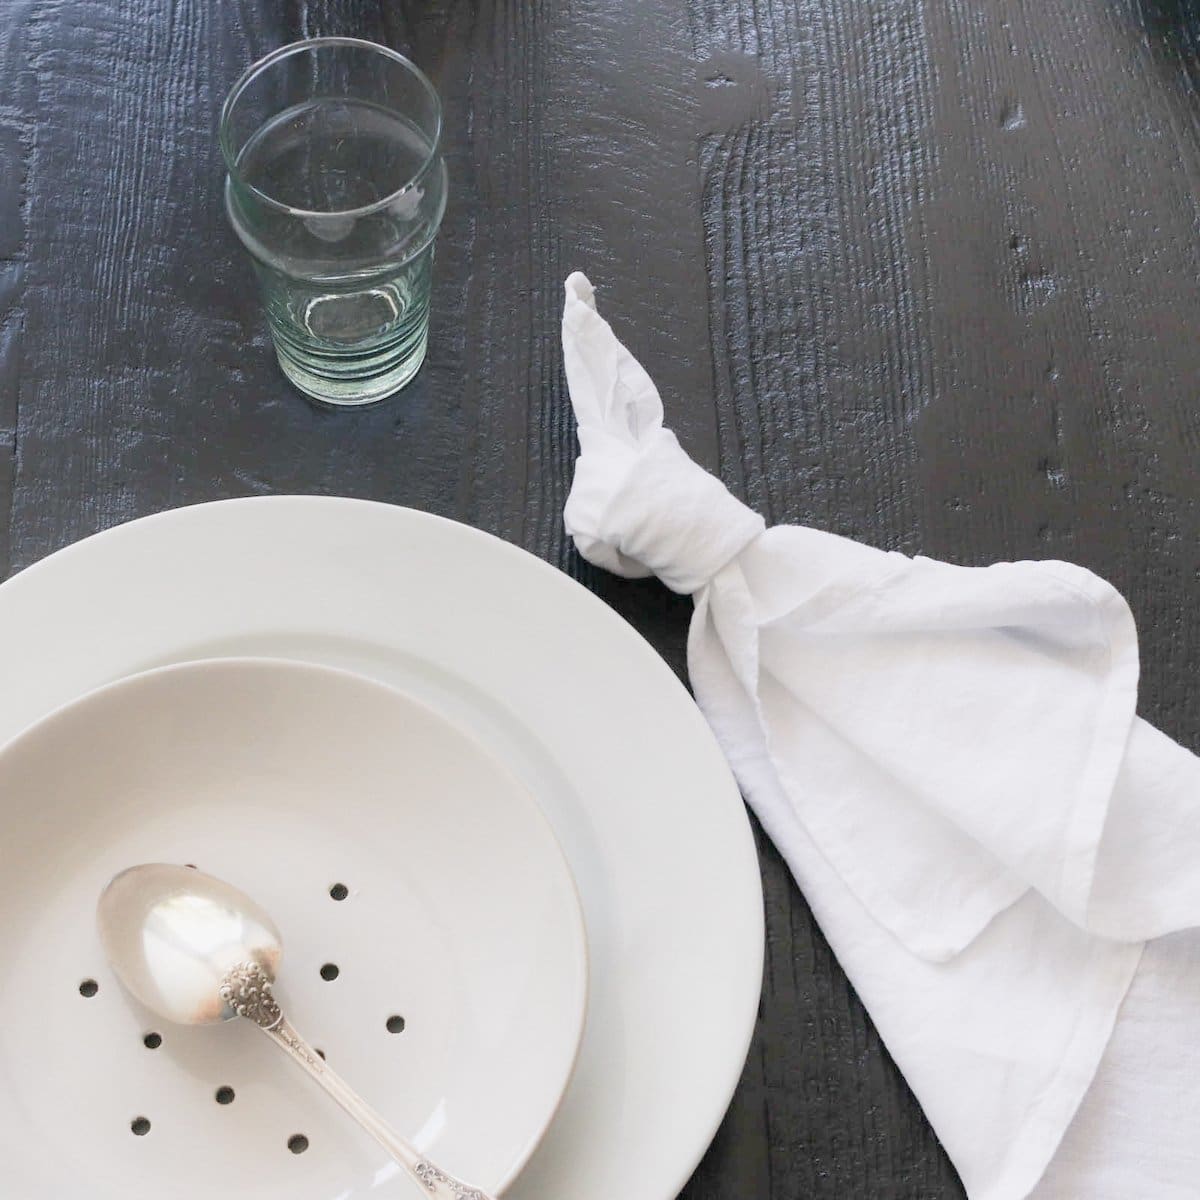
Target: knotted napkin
949 760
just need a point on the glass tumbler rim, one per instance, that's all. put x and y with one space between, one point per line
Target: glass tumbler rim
256 68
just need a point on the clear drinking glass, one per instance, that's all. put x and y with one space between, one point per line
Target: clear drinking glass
337 187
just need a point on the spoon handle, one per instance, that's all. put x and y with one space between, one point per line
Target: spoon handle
436 1183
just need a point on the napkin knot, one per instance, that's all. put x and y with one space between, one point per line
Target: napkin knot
653 510
639 505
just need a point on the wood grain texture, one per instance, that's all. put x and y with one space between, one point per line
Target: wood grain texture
924 272
16 149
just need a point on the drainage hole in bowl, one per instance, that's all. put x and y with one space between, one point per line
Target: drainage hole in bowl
140 1126
395 1024
152 1041
88 988
339 891
330 971
297 1143
224 1095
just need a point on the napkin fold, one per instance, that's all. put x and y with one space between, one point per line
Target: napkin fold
947 757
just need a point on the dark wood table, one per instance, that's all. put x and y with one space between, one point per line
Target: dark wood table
923 272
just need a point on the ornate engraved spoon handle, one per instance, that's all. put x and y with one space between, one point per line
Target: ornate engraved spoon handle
248 992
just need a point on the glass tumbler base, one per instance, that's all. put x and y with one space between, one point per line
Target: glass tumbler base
340 391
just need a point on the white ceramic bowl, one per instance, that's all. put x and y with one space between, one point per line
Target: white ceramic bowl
461 918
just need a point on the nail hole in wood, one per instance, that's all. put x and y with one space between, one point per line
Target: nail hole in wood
225 1095
329 972
88 988
140 1126
395 1024
339 891
152 1041
297 1143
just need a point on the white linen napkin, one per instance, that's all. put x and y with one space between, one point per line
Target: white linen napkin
949 760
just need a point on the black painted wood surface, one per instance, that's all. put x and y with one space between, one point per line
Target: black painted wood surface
923 272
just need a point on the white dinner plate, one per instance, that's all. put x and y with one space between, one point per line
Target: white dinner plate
434 947
554 684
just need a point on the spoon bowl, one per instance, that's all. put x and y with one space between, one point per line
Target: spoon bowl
173 934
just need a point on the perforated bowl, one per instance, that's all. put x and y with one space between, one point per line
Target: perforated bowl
434 947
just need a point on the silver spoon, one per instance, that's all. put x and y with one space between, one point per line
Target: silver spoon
197 951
